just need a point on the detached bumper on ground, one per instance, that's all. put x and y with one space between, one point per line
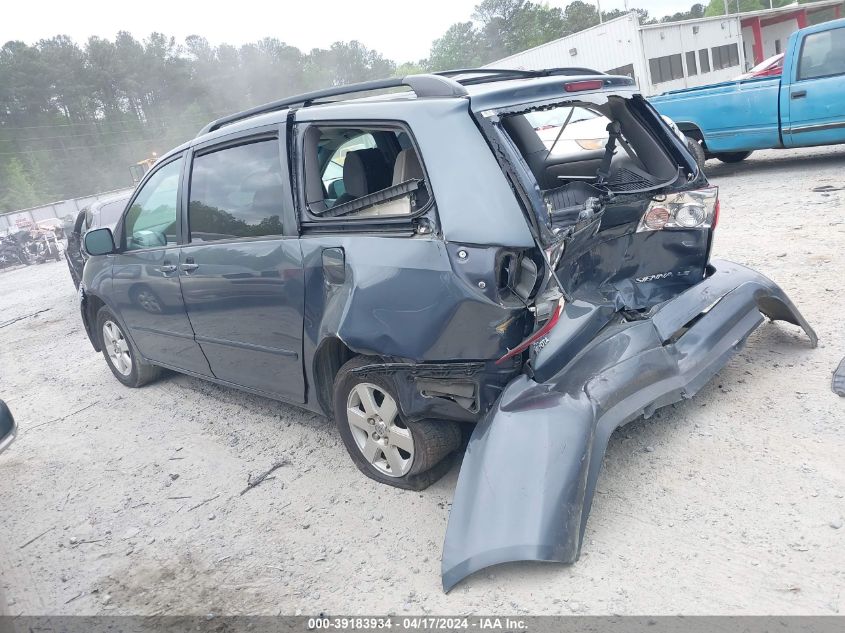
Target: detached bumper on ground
527 481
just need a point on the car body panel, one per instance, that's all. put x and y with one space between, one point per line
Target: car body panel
732 116
527 480
150 302
813 109
256 284
765 112
475 204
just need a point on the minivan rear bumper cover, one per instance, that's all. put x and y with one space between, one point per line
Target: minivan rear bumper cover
527 481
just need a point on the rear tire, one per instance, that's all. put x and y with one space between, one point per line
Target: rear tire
697 152
732 157
121 356
382 444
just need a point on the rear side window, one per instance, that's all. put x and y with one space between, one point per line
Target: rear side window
236 192
822 55
362 172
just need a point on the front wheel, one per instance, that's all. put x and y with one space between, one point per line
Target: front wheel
383 445
732 157
122 358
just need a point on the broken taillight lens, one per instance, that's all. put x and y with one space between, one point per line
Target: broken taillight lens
697 209
538 335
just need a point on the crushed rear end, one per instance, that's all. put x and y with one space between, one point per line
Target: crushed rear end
631 315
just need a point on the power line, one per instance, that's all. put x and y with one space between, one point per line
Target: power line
194 121
95 146
103 122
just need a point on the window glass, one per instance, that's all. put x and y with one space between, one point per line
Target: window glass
361 172
236 192
725 56
110 213
704 60
823 54
151 220
692 68
666 68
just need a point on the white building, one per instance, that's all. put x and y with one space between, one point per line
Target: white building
673 55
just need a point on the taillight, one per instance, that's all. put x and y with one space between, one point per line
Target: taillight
536 336
698 209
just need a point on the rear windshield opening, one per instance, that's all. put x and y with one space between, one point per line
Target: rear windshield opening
578 150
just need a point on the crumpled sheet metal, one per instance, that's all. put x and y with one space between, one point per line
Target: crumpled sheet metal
527 481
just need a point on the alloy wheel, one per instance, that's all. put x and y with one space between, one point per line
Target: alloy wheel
117 348
384 441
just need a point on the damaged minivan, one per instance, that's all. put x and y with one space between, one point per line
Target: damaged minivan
527 252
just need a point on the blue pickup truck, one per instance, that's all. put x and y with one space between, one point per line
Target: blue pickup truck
803 107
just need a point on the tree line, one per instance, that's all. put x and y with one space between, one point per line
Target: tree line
74 117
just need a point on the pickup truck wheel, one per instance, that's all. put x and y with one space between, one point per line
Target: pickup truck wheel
732 157
383 445
697 152
122 358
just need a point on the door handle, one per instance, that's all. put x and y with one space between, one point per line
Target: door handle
189 266
799 94
167 268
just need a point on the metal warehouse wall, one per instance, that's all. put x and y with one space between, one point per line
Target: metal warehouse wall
604 47
779 31
670 39
66 209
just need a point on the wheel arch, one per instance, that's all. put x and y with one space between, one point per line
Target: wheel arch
90 306
331 355
692 130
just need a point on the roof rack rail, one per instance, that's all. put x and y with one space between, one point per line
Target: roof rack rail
424 85
486 75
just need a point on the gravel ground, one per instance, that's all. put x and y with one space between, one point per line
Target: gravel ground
731 503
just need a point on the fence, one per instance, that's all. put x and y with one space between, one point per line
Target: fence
65 210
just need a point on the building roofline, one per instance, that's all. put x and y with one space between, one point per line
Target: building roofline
789 8
555 41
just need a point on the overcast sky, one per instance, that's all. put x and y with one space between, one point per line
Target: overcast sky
401 31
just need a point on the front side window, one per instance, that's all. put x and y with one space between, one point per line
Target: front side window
236 192
822 55
362 172
152 219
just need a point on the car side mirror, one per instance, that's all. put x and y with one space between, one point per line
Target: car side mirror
8 428
99 242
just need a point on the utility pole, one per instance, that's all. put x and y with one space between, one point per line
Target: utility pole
598 6
726 7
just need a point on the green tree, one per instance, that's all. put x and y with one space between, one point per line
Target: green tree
16 190
461 46
717 7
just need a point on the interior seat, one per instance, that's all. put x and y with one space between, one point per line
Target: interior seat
407 167
364 171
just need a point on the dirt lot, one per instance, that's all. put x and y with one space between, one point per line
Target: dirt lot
729 503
